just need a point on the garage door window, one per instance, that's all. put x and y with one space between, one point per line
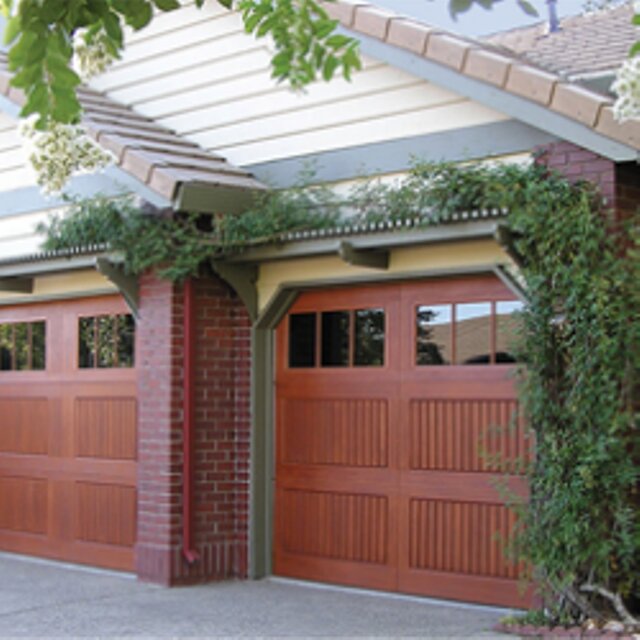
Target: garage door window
477 333
106 341
347 338
22 346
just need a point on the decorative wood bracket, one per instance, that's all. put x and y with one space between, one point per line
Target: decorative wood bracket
242 278
126 284
506 238
367 258
16 285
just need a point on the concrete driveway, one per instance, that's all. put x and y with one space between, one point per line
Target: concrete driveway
46 599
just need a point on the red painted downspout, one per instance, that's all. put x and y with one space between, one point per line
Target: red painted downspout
188 429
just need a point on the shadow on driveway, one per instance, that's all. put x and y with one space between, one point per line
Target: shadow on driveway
47 599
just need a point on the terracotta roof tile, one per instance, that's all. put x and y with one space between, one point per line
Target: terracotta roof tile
155 156
409 35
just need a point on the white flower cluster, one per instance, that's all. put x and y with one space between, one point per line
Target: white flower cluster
91 56
60 152
627 86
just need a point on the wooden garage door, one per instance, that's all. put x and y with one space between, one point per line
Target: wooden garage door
395 408
68 432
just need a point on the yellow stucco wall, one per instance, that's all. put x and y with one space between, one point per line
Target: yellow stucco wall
411 260
74 282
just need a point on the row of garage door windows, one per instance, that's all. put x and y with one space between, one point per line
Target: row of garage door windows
105 341
478 333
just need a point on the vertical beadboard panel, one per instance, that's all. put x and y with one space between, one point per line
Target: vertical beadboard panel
340 526
352 433
460 537
466 435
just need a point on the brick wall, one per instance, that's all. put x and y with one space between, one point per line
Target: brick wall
222 415
618 183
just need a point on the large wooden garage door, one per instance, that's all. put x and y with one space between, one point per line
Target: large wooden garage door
395 405
68 432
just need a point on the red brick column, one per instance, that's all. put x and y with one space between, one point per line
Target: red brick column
221 479
619 183
576 163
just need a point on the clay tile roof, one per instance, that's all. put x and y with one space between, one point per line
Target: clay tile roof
586 44
512 70
155 156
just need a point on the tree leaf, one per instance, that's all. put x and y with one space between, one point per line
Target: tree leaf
528 8
12 29
456 7
167 5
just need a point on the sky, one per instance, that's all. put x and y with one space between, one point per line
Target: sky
477 21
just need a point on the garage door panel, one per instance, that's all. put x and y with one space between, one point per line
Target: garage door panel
464 434
24 504
432 437
351 527
72 429
459 537
24 427
105 427
347 432
105 513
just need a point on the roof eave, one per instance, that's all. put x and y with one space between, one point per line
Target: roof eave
539 115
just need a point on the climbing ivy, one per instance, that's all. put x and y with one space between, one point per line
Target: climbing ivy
581 343
432 192
581 527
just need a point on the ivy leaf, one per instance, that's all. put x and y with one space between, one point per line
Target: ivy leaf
635 49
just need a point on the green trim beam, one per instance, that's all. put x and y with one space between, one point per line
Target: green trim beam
472 230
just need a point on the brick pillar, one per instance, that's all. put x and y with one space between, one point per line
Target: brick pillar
221 452
618 183
576 163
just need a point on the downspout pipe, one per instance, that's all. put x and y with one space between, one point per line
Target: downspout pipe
188 428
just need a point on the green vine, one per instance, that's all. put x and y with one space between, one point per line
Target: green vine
581 341
180 244
581 527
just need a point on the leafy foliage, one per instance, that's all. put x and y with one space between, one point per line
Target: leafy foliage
581 529
430 193
42 34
